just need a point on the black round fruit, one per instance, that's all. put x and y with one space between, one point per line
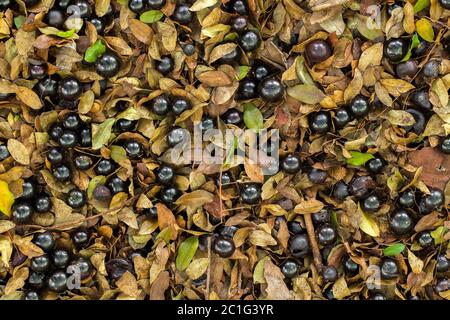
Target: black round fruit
371 203
55 155
445 145
425 239
176 136
295 227
360 187
299 245
29 190
165 65
395 49
271 89
322 216
247 90
260 71
57 281
36 280
431 69
31 295
5 4
419 126
60 258
318 51
223 247
180 104
137 6
82 264
105 167
56 131
21 212
4 153
342 117
238 6
442 263
290 268
431 201
182 14
169 195
445 4
406 70
62 172
232 116
99 24
442 284
40 264
55 18
117 267
377 296
72 121
133 149
317 176
108 64
375 165
85 8
239 23
83 162
388 269
400 222
359 106
80 238
38 71
165 174
76 198
249 40
407 199
160 105
320 122
251 193
156 4
391 7
326 234
330 274
45 241
68 139
188 49
227 231
69 88
421 48
47 87
420 99
116 185
340 190
291 164
42 203
351 268
124 125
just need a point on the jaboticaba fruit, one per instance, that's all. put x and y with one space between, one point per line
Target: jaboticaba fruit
320 122
108 64
395 49
271 89
318 51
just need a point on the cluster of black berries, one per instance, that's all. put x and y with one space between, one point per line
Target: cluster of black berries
33 199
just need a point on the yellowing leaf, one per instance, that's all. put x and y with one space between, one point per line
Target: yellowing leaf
309 206
306 93
197 268
400 118
425 29
369 225
29 97
371 56
18 151
396 87
202 4
6 198
340 289
415 263
261 238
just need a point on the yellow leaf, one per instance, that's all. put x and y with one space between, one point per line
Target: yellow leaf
6 198
425 29
29 97
396 87
18 151
415 263
309 206
369 225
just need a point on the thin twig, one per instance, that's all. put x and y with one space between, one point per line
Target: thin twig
208 271
313 241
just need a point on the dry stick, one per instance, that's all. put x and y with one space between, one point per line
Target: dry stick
208 271
313 241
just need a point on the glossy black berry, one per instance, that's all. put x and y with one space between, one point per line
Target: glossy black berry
271 89
406 70
42 203
82 264
290 268
351 268
247 89
55 18
329 274
85 7
108 65
391 7
395 49
182 14
442 263
224 179
389 269
227 231
432 201
371 203
377 296
60 258
5 4
407 199
419 126
249 40
29 190
68 139
38 71
76 198
47 87
232 116
56 131
375 165
83 162
105 167
400 222
317 176
421 48
85 137
207 124
431 69
40 264
188 49
133 149
326 234
102 193
425 239
232 57
295 227
69 88
445 4
239 23
251 193
62 4
260 71
299 245
62 172
156 4
342 117
320 122
445 145
169 195
223 247
152 212
36 280
238 6
420 99
165 174
116 185
72 121
124 125
80 238
31 295
45 241
442 284
160 105
180 104
55 155
340 190
57 281
321 217
117 267
291 164
360 187
176 136
99 24
22 212
4 153
137 6
318 51
359 106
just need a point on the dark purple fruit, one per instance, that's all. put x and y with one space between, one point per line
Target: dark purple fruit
400 222
249 40
251 193
318 51
299 245
320 122
223 247
395 49
271 89
361 187
108 64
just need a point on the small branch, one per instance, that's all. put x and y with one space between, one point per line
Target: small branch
208 271
313 241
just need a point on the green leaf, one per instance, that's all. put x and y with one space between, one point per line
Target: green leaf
230 154
425 29
253 117
359 158
118 154
369 225
258 273
420 5
18 21
242 72
94 51
66 34
302 71
93 183
415 41
394 249
230 36
186 252
151 16
103 134
438 235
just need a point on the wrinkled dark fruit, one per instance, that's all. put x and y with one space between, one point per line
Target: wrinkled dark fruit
117 267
